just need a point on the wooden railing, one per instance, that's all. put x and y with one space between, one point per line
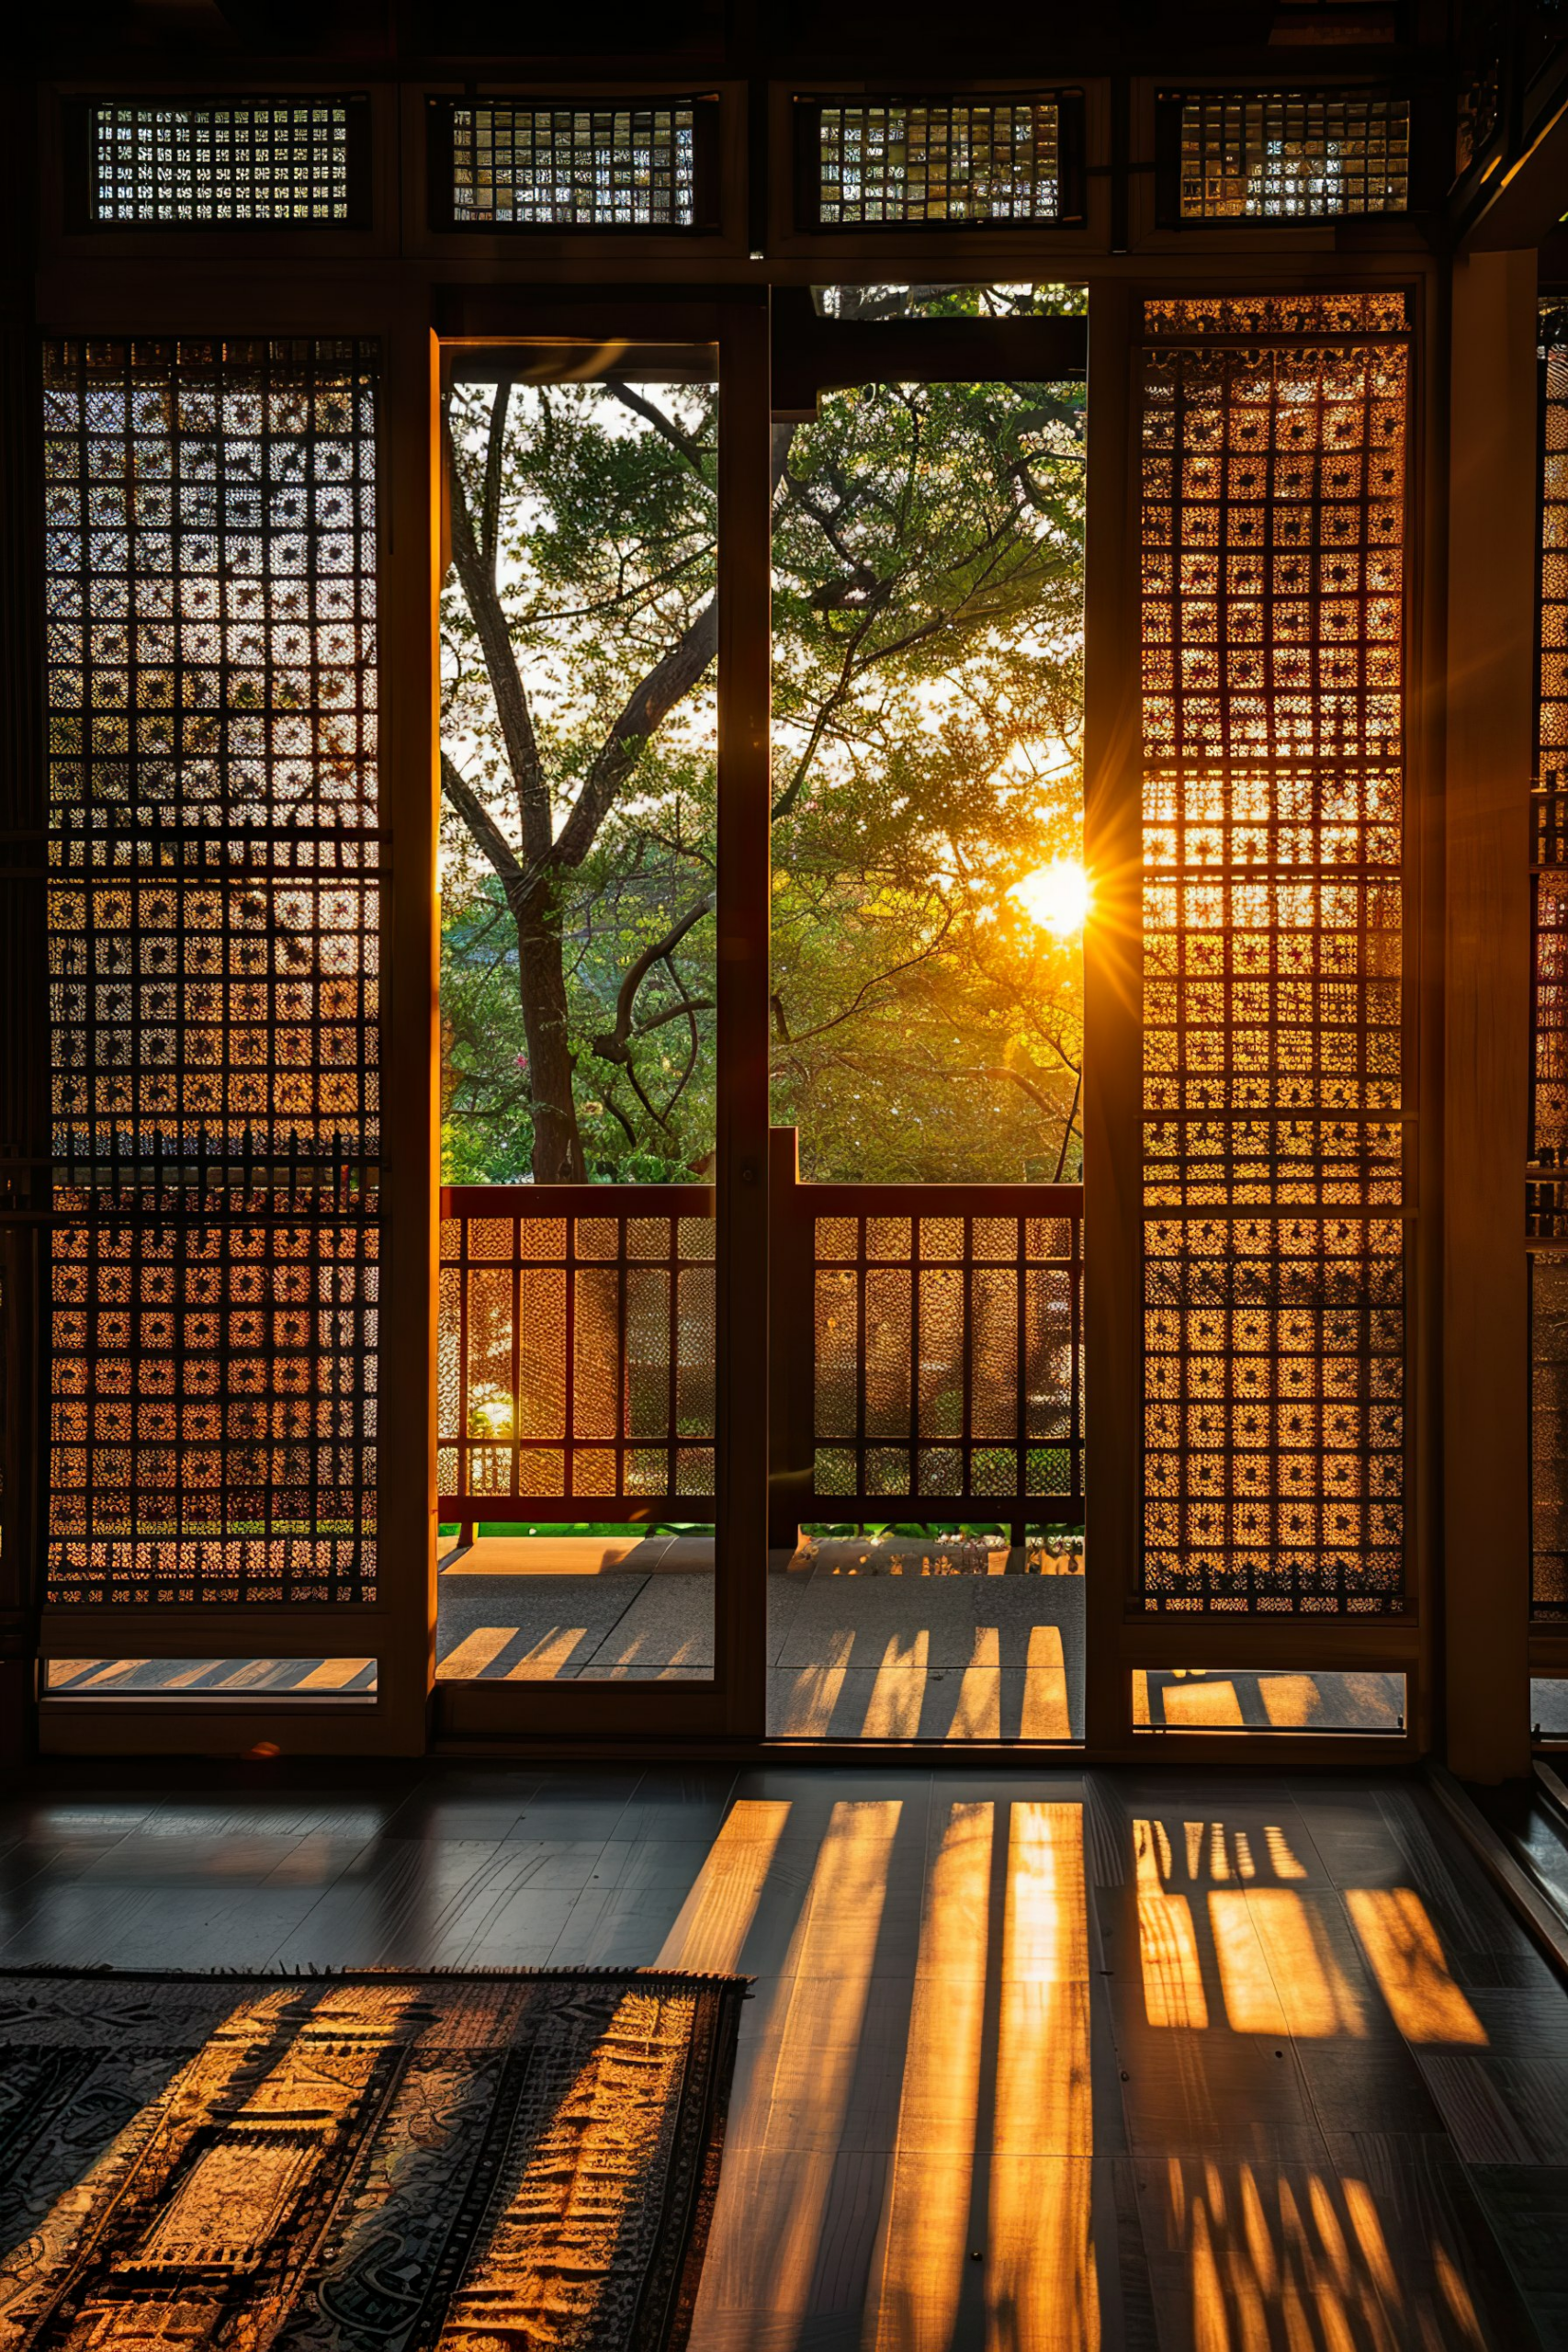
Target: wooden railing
926 1358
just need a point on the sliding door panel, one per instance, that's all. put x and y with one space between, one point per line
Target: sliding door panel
1275 1202
214 928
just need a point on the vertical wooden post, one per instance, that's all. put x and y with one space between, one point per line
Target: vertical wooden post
789 1347
745 684
1112 1017
1492 449
411 982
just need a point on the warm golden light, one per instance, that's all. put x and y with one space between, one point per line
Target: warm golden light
1056 898
1406 1955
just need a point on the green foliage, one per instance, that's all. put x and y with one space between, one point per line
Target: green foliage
928 646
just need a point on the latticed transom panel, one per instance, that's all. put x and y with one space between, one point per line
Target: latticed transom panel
577 1353
891 163
223 163
614 167
949 1362
1274 1029
1289 155
214 926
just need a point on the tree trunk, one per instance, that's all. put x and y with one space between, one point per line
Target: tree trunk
541 985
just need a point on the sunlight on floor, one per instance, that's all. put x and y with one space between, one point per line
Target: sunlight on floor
993 2217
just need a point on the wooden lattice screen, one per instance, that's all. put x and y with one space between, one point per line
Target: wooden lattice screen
1546 1207
214 950
1274 526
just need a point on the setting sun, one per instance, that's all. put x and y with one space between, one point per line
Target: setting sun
1055 897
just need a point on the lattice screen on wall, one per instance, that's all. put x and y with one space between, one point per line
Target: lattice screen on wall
888 162
214 952
1546 1184
223 163
1284 154
1274 458
505 164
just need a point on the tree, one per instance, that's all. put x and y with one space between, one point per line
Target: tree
927 545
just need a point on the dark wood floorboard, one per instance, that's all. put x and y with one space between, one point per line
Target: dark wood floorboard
1034 2060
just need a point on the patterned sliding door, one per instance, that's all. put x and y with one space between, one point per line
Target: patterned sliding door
1275 436
213 942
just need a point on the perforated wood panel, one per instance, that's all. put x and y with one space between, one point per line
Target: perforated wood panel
214 954
883 162
577 1350
223 163
1274 460
1286 154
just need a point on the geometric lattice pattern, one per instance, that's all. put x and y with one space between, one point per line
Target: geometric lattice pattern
1552 677
214 925
1548 1178
949 1360
1273 618
163 163
577 1348
1548 1437
1274 1420
212 1403
1546 1185
892 163
616 166
1548 962
1292 155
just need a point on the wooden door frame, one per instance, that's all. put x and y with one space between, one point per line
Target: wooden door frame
407 298
732 1703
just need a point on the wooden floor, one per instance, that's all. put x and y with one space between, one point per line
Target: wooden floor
1034 2060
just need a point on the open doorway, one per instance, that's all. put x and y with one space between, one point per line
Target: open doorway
929 898
579 994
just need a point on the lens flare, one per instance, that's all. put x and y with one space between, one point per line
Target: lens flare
1056 898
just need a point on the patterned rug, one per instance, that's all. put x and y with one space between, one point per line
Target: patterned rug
367 2163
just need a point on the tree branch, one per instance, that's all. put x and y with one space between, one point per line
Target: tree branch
486 833
612 1045
1067 1130
512 710
650 704
687 444
494 456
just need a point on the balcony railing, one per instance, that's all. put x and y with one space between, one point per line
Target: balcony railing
927 1351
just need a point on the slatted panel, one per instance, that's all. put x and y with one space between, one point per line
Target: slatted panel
1288 155
889 163
226 162
1274 458
576 1368
214 927
1546 1183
